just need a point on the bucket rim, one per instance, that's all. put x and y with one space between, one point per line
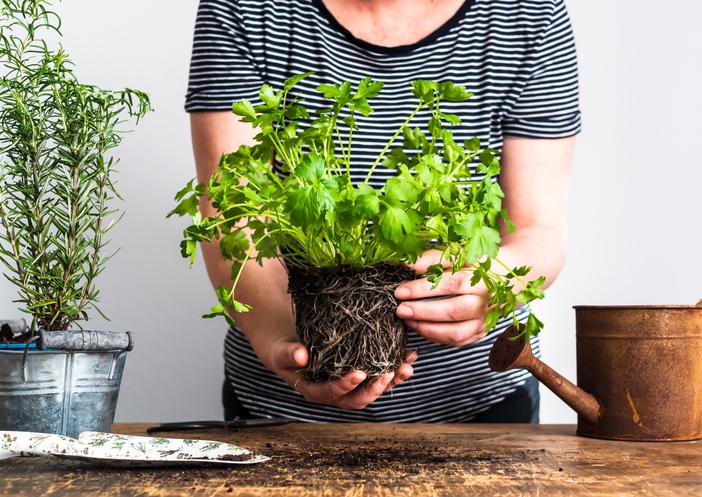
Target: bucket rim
34 351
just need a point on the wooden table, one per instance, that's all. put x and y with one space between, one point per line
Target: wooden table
385 460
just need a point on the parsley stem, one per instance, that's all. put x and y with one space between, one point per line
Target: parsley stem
510 271
241 270
392 140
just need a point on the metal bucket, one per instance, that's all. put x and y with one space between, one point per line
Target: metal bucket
62 391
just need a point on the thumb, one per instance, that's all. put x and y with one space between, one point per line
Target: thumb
286 355
428 258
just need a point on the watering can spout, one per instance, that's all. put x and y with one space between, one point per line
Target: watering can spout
512 351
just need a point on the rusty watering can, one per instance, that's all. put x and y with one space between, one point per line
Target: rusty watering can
639 371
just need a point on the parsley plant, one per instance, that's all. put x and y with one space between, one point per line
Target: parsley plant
315 215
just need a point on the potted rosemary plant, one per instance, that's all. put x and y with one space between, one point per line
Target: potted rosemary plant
345 245
56 209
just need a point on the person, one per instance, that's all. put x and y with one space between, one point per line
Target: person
518 58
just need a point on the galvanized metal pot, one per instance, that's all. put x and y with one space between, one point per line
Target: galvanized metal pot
639 371
62 391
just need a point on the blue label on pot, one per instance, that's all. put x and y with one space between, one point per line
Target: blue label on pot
17 346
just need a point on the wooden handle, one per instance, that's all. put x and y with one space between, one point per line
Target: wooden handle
578 399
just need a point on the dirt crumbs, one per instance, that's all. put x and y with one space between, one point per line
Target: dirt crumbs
383 461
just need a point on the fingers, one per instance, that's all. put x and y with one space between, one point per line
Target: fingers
346 393
288 355
455 334
341 387
460 308
403 373
361 397
428 258
450 284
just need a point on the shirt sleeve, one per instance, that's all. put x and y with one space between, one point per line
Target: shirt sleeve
548 106
223 69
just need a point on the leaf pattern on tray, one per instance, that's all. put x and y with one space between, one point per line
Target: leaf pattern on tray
120 450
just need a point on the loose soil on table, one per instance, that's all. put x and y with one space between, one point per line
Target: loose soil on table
346 318
384 461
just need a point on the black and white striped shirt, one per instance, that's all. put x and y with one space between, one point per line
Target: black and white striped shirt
516 56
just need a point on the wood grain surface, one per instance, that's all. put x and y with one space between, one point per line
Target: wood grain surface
353 460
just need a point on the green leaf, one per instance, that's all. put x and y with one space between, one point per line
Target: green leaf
329 91
435 127
425 90
452 119
472 144
188 188
307 204
294 80
454 92
485 241
366 206
188 249
304 206
400 191
234 245
438 225
533 291
414 139
395 158
434 274
367 88
296 111
361 107
216 311
269 96
350 121
240 306
311 168
187 207
521 270
245 109
467 225
533 326
395 224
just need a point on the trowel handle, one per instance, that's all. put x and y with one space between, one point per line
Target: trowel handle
579 400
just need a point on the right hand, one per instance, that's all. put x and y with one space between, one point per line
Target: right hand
286 356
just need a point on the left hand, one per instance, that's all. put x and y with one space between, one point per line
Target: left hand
457 320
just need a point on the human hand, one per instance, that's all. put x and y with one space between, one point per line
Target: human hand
456 319
286 356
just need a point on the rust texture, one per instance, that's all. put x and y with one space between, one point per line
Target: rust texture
383 460
644 364
639 371
512 351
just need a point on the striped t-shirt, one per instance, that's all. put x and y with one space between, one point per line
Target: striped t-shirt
516 56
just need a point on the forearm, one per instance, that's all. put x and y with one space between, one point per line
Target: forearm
262 287
542 248
535 176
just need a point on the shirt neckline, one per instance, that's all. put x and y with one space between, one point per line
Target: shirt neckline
444 28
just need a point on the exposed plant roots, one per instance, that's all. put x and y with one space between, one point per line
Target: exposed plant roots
346 318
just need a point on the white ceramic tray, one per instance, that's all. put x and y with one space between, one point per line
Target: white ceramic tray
107 449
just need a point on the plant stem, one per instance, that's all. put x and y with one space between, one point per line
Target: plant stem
392 140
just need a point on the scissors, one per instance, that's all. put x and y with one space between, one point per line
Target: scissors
235 424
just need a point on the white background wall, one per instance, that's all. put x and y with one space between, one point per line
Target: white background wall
635 210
